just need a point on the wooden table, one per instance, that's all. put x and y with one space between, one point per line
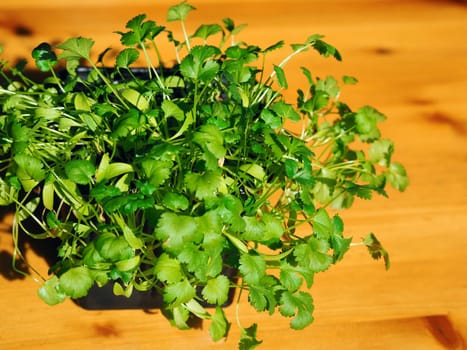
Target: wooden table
411 60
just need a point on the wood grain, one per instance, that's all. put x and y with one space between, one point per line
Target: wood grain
411 60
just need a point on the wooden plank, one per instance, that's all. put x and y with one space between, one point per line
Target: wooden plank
411 59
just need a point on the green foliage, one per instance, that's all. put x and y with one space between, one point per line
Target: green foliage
248 338
169 178
219 326
376 250
300 306
44 56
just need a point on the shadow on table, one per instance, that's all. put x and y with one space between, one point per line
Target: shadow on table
14 268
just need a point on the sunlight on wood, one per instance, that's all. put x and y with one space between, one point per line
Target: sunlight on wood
410 58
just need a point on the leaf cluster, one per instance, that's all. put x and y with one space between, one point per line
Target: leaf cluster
168 177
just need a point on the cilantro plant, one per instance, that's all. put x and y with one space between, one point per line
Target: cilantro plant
168 176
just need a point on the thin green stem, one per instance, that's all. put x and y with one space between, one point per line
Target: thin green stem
185 34
109 85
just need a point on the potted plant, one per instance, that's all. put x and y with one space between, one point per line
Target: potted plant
166 178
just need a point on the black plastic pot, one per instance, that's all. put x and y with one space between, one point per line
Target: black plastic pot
103 298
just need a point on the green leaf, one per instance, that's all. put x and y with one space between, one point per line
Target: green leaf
248 339
208 71
397 176
48 194
7 192
167 269
322 224
71 65
219 325
210 139
179 293
51 293
68 191
231 27
291 168
27 209
310 40
76 282
197 309
324 48
171 109
285 110
366 121
44 57
140 31
271 119
76 48
129 38
21 136
80 171
177 230
92 258
319 100
175 201
340 246
174 81
290 276
179 12
376 250
189 119
195 260
338 224
200 64
157 171
254 170
126 57
229 209
213 240
380 152
329 85
121 291
346 79
30 170
299 305
252 267
281 78
101 56
206 30
273 228
145 188
306 72
228 24
135 98
82 102
179 316
128 234
102 193
128 264
114 170
254 228
276 46
313 254
136 22
207 185
113 248
189 68
107 171
127 122
262 296
216 290
91 120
